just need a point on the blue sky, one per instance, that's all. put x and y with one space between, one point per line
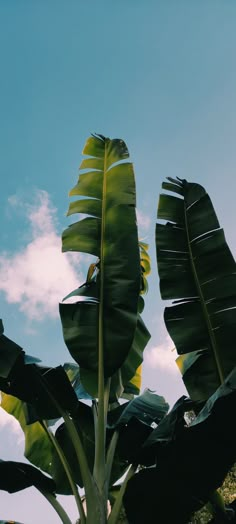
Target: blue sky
159 74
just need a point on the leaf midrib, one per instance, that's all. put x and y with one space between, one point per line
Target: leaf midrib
203 304
99 464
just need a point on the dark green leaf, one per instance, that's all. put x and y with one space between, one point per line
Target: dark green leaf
113 239
15 476
121 380
190 466
171 424
32 384
147 408
10 352
197 271
132 436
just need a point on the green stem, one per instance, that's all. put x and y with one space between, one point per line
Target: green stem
95 417
203 305
68 472
100 442
110 455
99 462
58 508
89 485
82 459
115 512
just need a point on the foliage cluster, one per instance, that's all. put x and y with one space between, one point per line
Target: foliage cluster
86 425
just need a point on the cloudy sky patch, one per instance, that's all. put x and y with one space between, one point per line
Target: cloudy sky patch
38 276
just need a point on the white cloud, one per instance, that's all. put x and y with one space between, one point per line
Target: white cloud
143 220
9 422
163 357
38 276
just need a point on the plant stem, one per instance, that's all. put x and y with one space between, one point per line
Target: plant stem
95 416
68 472
57 506
88 482
82 459
100 442
99 463
110 455
115 512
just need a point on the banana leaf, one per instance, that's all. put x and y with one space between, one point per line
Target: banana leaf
191 465
106 194
22 377
32 384
38 447
15 476
198 273
127 380
10 352
172 424
148 408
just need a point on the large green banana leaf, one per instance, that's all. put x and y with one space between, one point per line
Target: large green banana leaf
197 271
107 196
127 380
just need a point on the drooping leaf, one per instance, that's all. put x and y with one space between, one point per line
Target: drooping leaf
190 466
133 387
197 271
10 352
145 266
170 425
131 369
147 408
15 476
38 447
34 385
107 195
220 404
40 387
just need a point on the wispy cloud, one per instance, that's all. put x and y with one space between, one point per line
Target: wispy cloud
163 356
10 423
144 221
39 275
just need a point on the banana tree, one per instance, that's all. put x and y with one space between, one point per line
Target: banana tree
106 336
198 273
104 427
